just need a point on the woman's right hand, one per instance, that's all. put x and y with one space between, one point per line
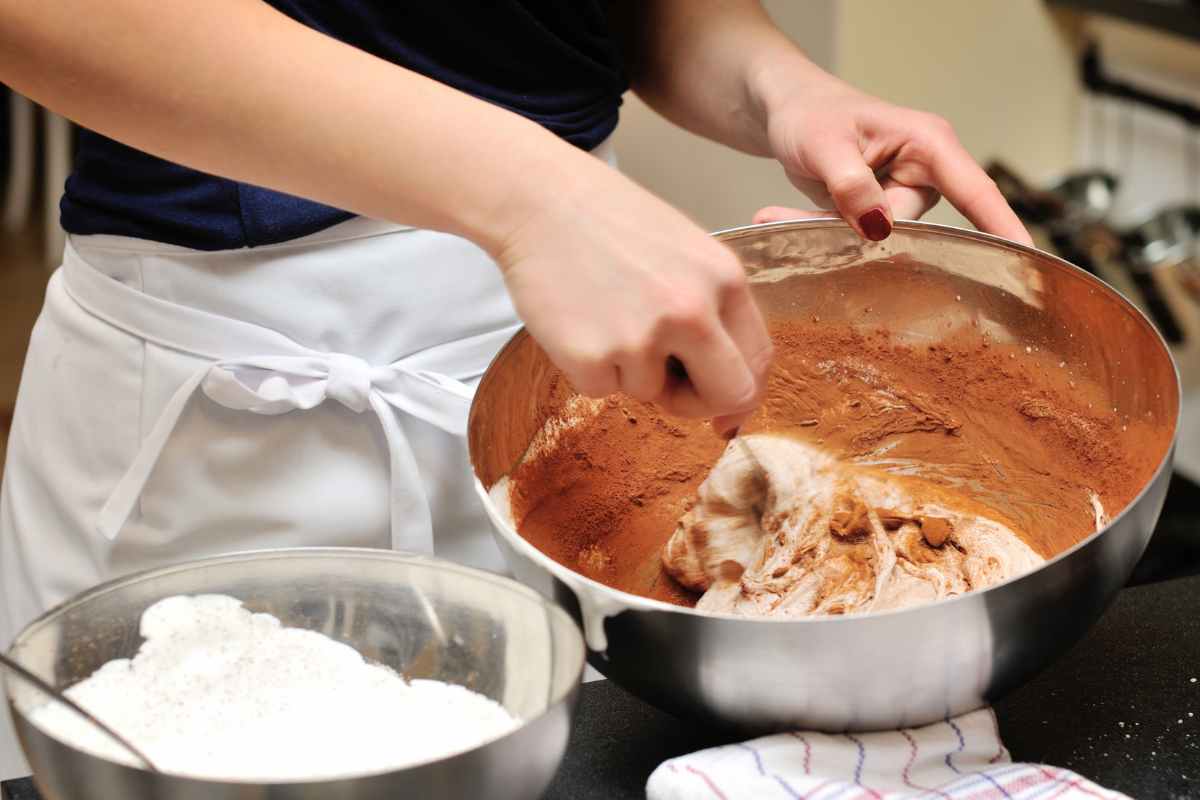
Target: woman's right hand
613 282
610 280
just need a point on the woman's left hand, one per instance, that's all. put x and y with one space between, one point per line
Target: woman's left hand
875 162
723 70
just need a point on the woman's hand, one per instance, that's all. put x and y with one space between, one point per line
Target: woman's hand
612 282
872 161
721 69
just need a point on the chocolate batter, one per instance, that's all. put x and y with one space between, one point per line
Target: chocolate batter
1010 427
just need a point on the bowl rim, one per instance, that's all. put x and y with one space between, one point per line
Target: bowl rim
633 602
404 556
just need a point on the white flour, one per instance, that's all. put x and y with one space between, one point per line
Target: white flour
219 692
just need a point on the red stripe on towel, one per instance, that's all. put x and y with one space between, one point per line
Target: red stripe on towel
707 780
807 753
912 758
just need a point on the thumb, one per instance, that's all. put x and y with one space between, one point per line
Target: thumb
839 164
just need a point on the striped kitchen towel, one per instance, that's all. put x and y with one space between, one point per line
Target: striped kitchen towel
959 759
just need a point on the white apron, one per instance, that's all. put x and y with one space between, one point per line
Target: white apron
178 403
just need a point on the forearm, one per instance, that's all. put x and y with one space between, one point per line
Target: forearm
714 67
237 89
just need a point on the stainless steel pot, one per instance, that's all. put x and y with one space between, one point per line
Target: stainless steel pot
893 669
420 615
1087 196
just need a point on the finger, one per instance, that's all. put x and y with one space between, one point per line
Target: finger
971 191
643 377
746 327
815 192
719 382
851 182
910 202
744 323
780 213
594 379
906 202
679 396
727 426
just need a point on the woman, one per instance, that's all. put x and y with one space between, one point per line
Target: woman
220 366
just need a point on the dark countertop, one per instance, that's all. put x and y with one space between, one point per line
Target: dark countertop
1117 708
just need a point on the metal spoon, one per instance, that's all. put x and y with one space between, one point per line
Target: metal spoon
59 697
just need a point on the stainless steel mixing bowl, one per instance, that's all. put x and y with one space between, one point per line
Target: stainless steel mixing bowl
428 617
900 668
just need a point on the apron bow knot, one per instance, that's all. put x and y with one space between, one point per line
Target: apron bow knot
279 384
350 380
426 385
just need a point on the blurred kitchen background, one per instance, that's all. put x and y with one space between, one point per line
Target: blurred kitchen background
1084 111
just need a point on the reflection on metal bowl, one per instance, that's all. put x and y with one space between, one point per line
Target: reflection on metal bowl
875 671
420 615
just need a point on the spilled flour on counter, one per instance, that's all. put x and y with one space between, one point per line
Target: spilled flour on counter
219 692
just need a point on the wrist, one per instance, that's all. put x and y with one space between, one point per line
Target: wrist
545 183
781 77
526 175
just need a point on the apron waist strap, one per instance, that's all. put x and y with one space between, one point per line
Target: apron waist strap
255 369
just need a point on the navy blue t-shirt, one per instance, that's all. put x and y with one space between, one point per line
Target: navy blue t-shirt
552 61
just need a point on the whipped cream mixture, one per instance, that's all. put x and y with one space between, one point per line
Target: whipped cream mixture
780 528
219 692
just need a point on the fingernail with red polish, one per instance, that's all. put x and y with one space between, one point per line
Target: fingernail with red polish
875 225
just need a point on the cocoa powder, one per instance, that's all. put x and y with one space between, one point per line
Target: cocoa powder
605 499
1013 429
